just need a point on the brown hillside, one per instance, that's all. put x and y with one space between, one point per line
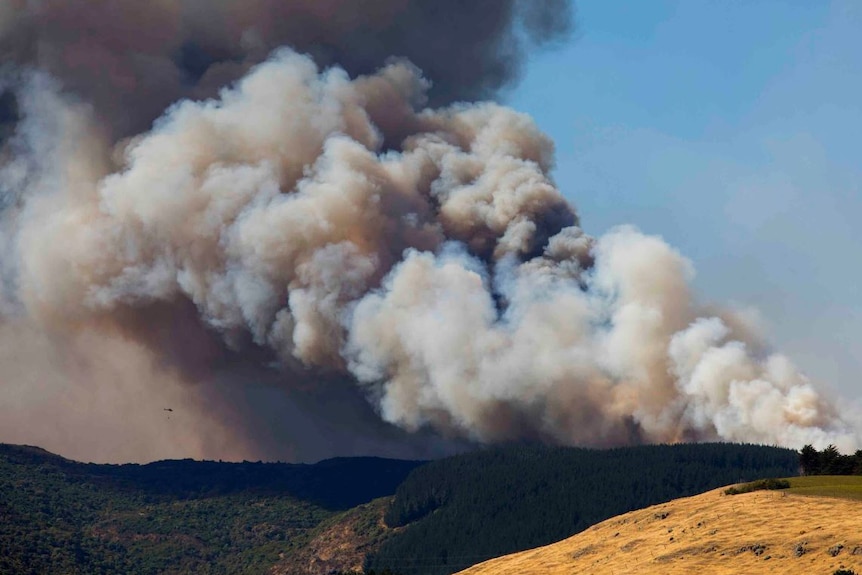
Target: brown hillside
758 532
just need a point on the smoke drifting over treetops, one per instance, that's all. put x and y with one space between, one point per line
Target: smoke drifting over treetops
317 240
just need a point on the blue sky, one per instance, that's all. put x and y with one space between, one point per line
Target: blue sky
732 130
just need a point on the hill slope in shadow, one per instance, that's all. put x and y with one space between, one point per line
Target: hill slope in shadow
61 516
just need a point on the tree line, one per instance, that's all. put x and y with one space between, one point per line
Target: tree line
829 461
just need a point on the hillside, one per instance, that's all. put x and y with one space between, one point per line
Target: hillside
64 517
790 532
464 509
59 516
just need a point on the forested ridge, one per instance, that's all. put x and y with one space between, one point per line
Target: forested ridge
480 505
62 517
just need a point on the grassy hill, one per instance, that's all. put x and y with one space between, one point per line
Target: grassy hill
815 527
59 516
464 509
843 486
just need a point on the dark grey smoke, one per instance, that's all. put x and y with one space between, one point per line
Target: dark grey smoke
131 59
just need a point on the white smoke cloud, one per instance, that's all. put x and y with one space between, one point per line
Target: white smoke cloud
447 275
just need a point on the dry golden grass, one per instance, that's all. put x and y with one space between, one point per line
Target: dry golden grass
712 533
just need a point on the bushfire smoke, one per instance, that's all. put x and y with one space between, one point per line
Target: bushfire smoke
335 225
132 59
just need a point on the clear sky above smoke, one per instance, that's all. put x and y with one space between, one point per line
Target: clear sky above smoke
731 129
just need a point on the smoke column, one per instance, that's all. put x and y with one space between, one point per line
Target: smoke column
321 255
132 59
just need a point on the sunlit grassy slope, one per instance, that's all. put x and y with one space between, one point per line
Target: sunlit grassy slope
847 486
814 527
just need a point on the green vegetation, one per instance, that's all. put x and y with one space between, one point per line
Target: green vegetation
844 486
758 485
825 473
62 517
186 517
465 509
829 462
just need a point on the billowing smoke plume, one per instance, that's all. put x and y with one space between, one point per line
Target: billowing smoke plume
131 59
359 243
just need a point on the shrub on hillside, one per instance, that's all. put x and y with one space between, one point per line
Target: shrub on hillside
758 485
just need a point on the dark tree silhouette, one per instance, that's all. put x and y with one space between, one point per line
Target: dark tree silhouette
809 460
830 461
